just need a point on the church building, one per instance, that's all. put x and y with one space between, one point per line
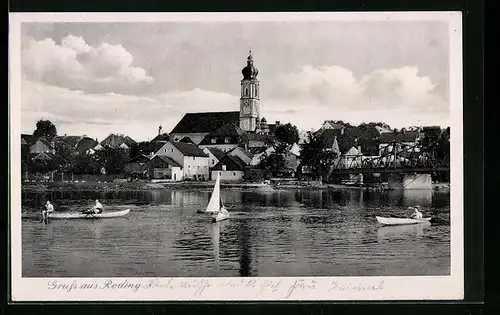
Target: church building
213 125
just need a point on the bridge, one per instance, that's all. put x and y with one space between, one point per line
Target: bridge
395 159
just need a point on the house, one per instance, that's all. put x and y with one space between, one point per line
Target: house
197 125
259 153
42 145
26 140
230 168
245 155
137 165
161 138
291 163
44 160
367 138
225 138
116 141
193 160
76 144
257 140
406 141
214 155
163 167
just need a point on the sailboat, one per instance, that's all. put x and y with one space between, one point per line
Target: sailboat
215 205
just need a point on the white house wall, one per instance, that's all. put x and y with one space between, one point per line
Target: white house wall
228 175
196 166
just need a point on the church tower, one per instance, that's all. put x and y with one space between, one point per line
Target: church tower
249 100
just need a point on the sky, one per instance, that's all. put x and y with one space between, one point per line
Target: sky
130 78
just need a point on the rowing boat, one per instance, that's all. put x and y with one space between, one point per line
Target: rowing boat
79 215
401 221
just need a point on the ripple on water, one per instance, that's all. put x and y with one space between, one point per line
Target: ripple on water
268 234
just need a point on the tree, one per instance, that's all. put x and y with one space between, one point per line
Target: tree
45 128
112 159
273 164
287 133
315 155
139 148
85 164
373 124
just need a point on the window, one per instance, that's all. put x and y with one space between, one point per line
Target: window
165 150
205 167
234 173
212 140
226 140
213 161
194 157
223 167
171 150
246 91
198 167
257 91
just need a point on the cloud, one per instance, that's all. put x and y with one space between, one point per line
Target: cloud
76 65
75 112
395 96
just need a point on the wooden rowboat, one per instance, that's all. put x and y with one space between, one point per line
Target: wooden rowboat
79 215
401 221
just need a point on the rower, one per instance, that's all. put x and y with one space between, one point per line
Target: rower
417 214
98 207
49 208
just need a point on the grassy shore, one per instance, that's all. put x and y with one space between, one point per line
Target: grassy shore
143 185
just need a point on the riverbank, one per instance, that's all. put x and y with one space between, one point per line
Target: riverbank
143 185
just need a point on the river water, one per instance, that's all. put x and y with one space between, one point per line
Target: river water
269 233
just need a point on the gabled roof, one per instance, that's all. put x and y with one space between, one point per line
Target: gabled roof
44 142
218 153
115 140
232 163
55 158
228 129
188 149
139 158
163 137
167 160
205 122
70 141
186 140
245 152
408 136
28 139
153 147
257 150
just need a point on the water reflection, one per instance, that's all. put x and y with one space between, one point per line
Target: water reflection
421 198
269 233
385 232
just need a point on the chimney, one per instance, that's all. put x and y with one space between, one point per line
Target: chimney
159 130
277 122
359 148
403 130
342 130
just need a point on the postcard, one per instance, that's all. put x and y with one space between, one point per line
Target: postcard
236 156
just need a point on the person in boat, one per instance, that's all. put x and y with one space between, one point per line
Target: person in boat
98 207
416 213
49 208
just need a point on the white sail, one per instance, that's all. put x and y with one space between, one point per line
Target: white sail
214 204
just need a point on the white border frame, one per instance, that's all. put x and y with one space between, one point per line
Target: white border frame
249 289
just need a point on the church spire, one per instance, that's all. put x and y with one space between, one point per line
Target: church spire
249 72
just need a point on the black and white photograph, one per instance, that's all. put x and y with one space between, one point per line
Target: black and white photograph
276 153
